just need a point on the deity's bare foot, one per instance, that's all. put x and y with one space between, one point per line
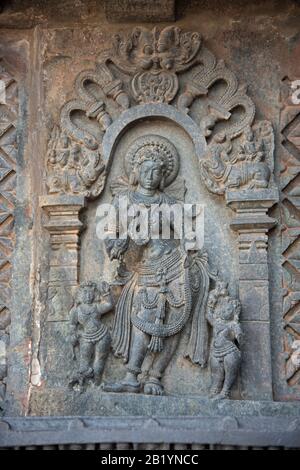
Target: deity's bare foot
129 384
222 396
72 382
153 386
76 384
214 393
120 387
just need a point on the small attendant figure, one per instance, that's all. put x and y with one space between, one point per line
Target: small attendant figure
89 333
223 315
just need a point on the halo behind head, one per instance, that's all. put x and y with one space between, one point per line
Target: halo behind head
156 148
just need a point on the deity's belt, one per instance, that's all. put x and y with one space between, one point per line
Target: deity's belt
158 329
220 352
93 336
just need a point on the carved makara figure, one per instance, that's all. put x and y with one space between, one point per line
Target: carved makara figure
89 333
248 166
223 315
167 287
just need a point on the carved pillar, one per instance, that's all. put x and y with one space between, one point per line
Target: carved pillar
252 224
64 226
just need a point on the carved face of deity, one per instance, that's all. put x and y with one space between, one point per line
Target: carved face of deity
150 174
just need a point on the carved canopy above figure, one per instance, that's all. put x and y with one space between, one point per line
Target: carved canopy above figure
155 64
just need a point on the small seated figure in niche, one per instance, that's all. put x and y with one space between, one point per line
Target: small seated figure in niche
224 168
89 333
73 168
223 315
251 150
254 170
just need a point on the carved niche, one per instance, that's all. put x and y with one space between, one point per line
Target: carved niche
168 74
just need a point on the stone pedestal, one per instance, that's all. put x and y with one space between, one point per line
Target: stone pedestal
252 224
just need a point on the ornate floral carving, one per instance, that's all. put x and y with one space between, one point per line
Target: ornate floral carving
221 107
248 166
154 87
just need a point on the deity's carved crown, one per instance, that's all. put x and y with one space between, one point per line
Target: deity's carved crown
153 148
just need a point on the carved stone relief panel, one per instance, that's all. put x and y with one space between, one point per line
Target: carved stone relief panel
135 314
123 131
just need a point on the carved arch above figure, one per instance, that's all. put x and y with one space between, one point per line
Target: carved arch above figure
160 111
143 74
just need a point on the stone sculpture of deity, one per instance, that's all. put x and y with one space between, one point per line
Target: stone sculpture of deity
168 285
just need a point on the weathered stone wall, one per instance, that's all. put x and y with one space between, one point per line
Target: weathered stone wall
43 48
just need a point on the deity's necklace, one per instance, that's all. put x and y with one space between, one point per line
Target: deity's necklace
139 198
